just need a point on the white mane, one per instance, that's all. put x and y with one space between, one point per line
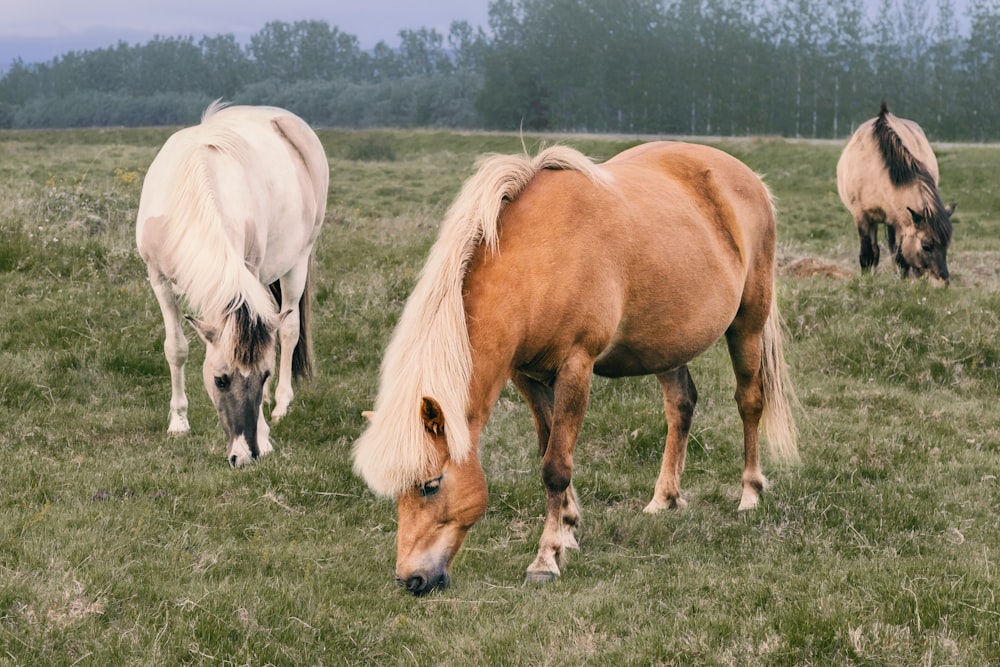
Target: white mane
429 354
213 286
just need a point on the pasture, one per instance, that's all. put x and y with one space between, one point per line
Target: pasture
122 545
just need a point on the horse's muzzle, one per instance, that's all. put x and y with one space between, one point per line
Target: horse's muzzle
422 583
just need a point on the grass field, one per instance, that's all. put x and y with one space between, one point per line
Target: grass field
120 545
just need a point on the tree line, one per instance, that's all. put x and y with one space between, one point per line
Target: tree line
806 68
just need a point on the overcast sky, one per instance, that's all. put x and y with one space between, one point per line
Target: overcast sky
39 30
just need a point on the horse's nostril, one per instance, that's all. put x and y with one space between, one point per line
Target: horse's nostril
232 460
416 584
421 583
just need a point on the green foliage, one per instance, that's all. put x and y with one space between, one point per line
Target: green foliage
121 545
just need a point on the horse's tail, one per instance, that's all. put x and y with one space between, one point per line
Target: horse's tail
779 396
303 363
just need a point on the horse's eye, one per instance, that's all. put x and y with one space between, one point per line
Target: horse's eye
926 246
430 487
222 381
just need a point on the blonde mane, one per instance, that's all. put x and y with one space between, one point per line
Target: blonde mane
214 288
429 353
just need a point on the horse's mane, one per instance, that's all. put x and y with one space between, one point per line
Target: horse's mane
429 353
905 169
209 250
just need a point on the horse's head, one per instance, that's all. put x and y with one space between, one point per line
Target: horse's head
437 513
922 247
239 359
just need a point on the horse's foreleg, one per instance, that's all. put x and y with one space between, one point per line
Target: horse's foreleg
868 255
562 512
679 399
175 348
288 334
292 287
745 351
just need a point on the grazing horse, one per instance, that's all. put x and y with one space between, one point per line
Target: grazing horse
229 213
888 175
549 270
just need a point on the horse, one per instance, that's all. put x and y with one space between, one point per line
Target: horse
229 213
887 174
546 271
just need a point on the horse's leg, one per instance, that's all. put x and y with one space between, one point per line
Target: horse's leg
263 434
571 393
540 399
868 256
175 348
745 351
890 235
679 399
292 286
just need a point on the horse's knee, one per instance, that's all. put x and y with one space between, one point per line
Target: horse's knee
175 348
557 474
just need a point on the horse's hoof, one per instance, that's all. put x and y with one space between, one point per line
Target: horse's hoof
541 577
655 505
748 502
178 426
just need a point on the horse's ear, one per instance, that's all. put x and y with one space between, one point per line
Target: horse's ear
207 333
432 415
918 218
949 209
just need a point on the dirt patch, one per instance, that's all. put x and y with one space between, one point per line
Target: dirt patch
810 267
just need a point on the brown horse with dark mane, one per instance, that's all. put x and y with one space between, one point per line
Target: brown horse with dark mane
888 174
549 270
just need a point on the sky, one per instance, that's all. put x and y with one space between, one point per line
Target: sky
39 30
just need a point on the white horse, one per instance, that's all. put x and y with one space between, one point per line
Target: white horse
229 214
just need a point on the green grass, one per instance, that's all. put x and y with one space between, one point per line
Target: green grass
120 545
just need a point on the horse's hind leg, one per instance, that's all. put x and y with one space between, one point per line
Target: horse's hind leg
540 399
571 393
679 399
175 348
744 341
868 255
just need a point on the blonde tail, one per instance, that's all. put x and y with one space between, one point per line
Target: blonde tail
777 420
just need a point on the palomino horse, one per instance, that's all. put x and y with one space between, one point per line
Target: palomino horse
888 174
231 208
546 271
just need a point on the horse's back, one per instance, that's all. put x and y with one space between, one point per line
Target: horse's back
258 173
646 269
863 179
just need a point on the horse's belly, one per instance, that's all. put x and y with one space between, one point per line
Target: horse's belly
624 358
